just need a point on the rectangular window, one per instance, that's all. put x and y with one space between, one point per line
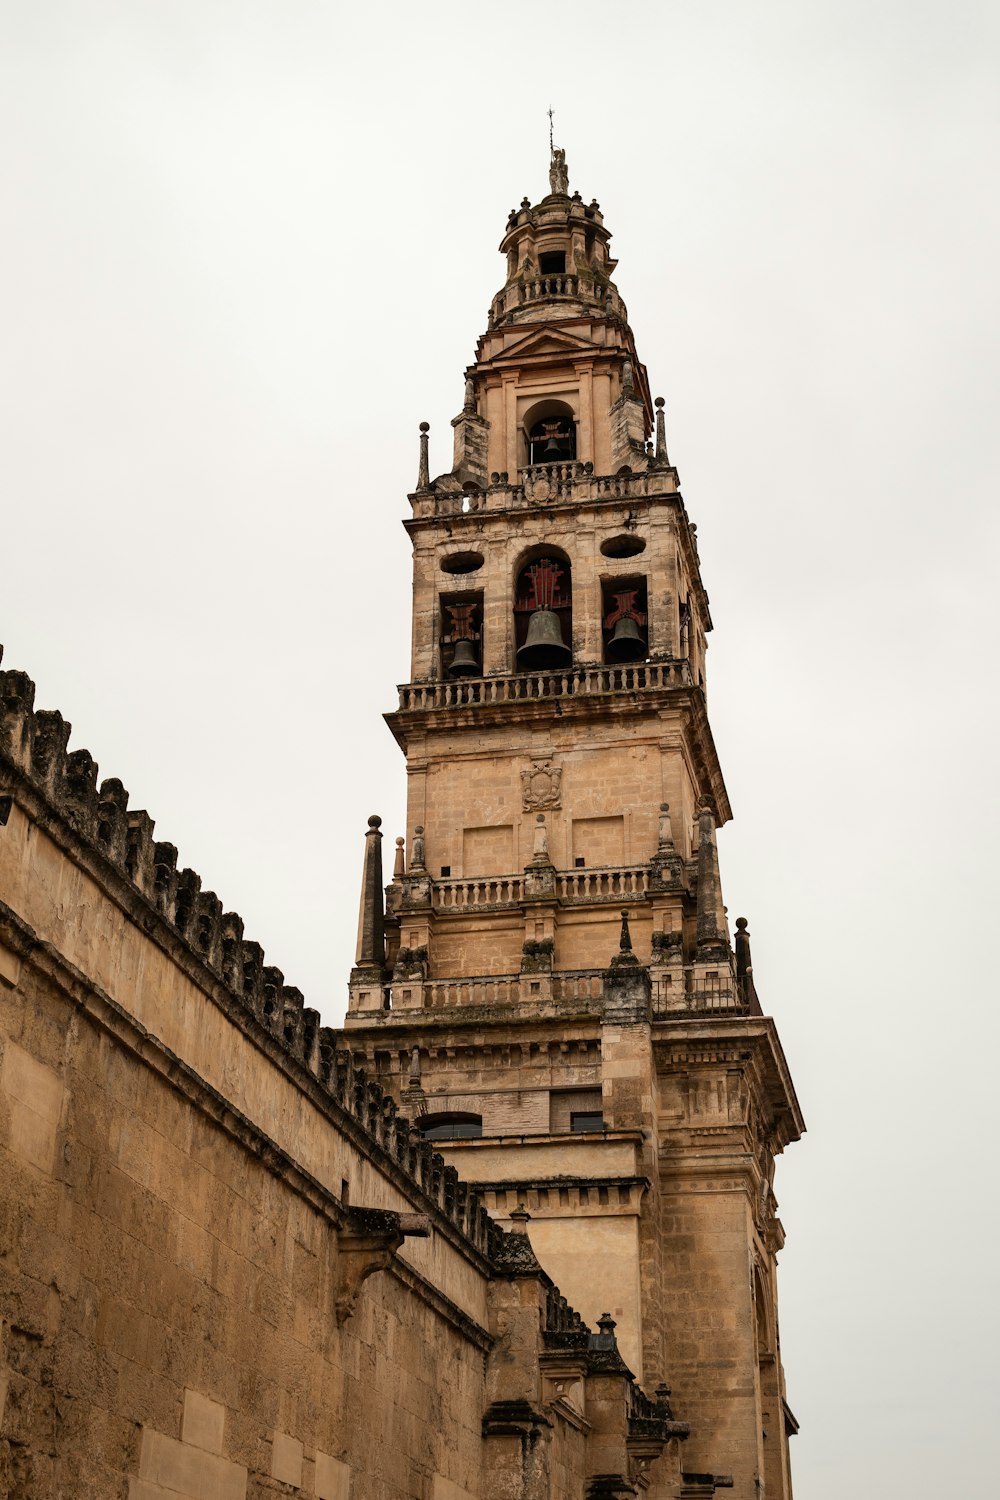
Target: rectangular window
582 1121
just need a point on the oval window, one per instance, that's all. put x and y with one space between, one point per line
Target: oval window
626 545
462 562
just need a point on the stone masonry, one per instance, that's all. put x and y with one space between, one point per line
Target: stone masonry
511 1233
229 1266
559 1004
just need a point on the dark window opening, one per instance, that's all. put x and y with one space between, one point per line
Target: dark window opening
581 1121
625 620
580 862
451 1127
552 262
445 871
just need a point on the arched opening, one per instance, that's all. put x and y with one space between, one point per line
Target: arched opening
451 1126
550 433
462 634
625 619
543 613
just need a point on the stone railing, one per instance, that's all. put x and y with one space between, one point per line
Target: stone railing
488 890
574 682
560 477
569 480
543 287
613 883
498 989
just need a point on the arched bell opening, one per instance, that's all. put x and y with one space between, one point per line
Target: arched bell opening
462 634
550 433
543 613
625 619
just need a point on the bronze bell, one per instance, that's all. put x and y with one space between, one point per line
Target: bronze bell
626 644
465 662
544 646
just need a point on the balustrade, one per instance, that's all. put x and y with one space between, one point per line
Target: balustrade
630 677
505 989
613 883
535 288
489 890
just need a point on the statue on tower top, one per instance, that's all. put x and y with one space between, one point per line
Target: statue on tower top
558 171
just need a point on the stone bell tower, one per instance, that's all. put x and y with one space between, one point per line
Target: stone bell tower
551 988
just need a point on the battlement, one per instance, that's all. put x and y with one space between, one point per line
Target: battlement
58 785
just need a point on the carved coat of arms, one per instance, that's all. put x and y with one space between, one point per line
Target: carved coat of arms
541 784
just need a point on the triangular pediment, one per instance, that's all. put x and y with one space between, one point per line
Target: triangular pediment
545 341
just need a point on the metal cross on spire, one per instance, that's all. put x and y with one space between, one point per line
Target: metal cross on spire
551 137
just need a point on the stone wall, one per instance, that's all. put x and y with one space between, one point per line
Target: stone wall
228 1266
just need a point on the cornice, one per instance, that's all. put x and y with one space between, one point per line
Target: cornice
733 1040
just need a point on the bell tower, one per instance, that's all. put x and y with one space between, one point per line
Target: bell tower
551 988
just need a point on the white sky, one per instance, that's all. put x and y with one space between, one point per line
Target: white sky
249 246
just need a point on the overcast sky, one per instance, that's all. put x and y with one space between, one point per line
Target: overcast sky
248 246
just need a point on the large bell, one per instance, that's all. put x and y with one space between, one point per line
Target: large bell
465 662
626 644
544 646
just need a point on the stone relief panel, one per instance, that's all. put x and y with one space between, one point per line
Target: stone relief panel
541 785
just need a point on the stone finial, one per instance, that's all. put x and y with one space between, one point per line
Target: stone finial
371 916
424 471
469 402
628 379
625 940
710 939
607 1324
665 838
540 853
399 860
661 432
417 849
519 1220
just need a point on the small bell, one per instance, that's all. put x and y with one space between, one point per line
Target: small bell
465 662
551 451
626 644
544 646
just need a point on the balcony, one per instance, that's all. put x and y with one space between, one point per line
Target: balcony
522 687
543 484
583 887
691 992
556 286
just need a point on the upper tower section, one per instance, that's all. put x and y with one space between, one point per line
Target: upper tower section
556 377
558 541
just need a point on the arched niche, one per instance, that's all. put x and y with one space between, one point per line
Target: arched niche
549 433
543 610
